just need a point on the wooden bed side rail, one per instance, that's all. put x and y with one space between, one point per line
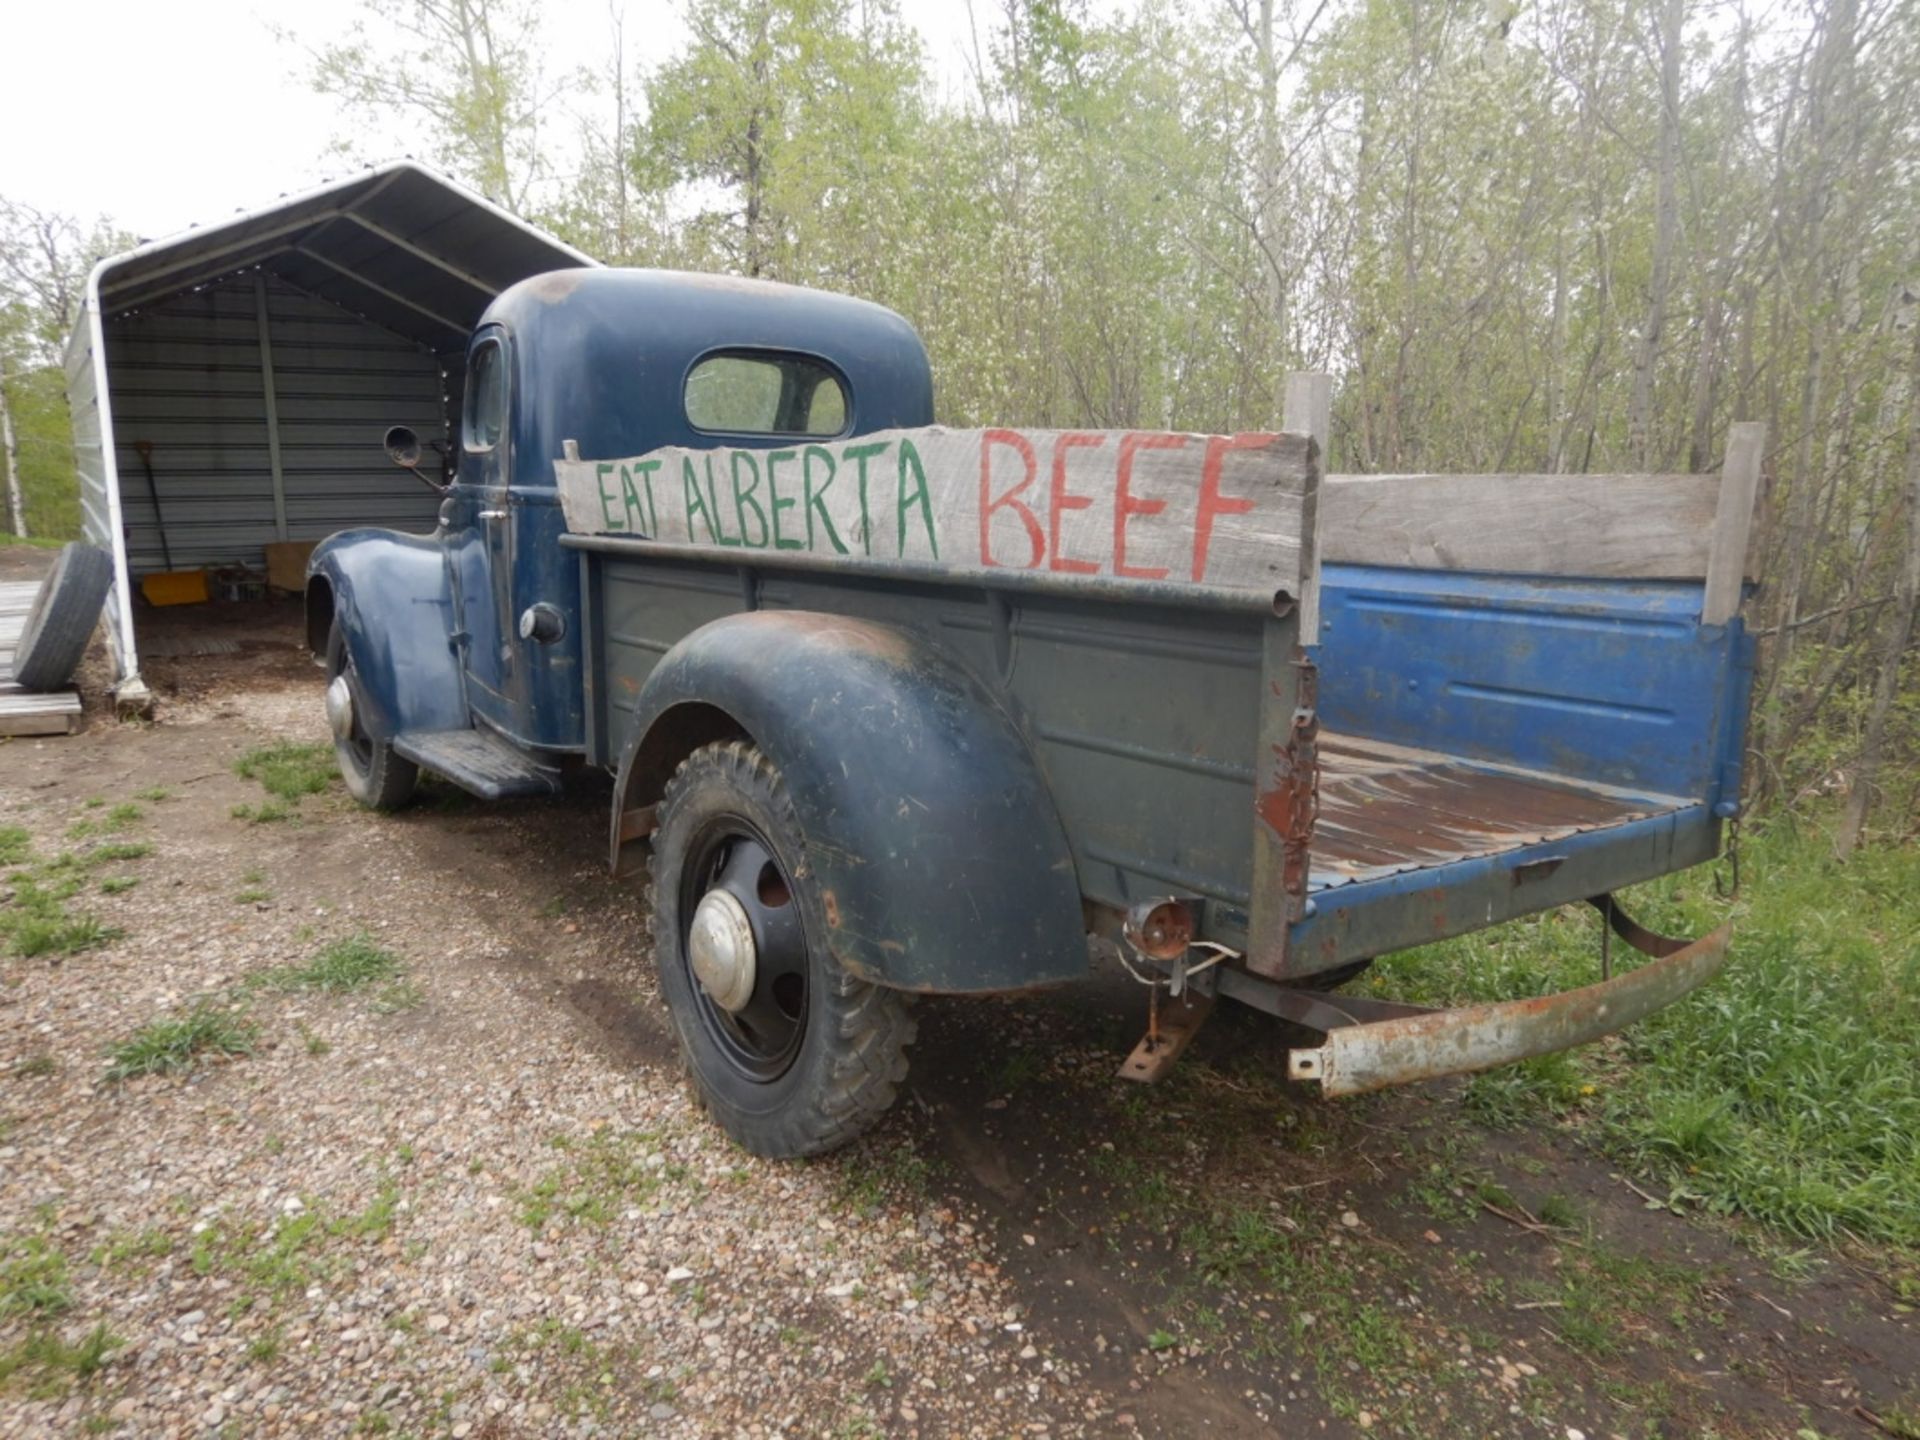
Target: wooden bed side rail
1619 526
1100 509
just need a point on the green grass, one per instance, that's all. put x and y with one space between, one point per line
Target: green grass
118 884
117 851
1788 1091
345 965
38 542
33 1278
35 919
53 1362
293 1251
289 771
267 812
178 1042
16 845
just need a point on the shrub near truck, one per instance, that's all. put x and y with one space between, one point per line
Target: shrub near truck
895 709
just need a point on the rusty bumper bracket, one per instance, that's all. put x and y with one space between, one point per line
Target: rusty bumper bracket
1372 1054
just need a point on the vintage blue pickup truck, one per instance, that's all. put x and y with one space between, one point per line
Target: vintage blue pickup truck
894 709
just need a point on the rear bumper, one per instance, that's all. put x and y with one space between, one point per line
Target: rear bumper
1376 1054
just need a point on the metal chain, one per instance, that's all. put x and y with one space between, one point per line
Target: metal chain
1721 886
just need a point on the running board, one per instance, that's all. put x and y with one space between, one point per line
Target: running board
479 762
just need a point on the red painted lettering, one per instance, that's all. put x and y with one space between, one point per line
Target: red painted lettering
1125 506
1060 500
988 504
1212 502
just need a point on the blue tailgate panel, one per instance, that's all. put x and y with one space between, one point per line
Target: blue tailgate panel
1613 682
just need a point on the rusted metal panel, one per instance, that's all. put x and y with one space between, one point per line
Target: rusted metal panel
1362 1057
1385 809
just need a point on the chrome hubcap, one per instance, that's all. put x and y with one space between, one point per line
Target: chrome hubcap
340 708
720 947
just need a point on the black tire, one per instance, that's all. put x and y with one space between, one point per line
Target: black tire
61 621
813 1057
375 776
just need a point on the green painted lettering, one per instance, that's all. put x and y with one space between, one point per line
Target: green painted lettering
860 454
775 503
917 496
815 501
743 500
636 512
645 471
690 492
713 503
600 474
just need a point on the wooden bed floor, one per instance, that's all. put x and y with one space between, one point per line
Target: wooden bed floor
1386 808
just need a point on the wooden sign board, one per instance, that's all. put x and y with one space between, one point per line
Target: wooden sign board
1218 511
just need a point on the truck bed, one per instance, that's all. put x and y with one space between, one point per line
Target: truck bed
1387 809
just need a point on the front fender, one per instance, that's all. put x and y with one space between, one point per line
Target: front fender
390 595
942 863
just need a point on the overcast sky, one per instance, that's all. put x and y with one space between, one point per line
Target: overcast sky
163 115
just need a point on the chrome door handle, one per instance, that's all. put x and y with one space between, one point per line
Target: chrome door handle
493 514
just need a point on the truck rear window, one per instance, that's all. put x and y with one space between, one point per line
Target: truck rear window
765 393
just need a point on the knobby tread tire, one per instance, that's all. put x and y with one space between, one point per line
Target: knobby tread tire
60 623
859 1041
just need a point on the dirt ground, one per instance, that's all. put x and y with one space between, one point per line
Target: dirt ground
481 1201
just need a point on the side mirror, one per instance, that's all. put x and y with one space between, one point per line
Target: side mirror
403 447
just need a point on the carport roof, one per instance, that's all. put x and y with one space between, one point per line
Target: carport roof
407 248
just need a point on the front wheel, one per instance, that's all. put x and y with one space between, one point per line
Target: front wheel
375 775
791 1053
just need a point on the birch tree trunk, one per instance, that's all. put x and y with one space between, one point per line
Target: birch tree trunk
1666 228
16 502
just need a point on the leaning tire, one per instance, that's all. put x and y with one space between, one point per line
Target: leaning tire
61 621
375 775
796 1056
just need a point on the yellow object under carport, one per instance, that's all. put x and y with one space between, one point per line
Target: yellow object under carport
175 587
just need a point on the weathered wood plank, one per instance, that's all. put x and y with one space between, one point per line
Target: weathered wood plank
1216 511
1733 522
1606 526
1309 411
26 713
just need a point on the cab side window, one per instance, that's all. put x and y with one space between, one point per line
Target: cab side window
485 411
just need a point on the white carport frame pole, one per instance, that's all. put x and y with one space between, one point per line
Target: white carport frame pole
130 688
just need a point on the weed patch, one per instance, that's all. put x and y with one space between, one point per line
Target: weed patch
288 771
53 1363
344 967
35 920
16 845
33 1278
180 1042
600 1175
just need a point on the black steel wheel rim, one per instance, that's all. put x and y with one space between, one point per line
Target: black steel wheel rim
761 1040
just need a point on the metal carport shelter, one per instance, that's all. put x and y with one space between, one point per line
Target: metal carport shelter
252 366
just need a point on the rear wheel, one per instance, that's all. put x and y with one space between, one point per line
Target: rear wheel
375 776
791 1053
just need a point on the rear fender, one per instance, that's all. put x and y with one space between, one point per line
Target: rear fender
391 597
941 862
